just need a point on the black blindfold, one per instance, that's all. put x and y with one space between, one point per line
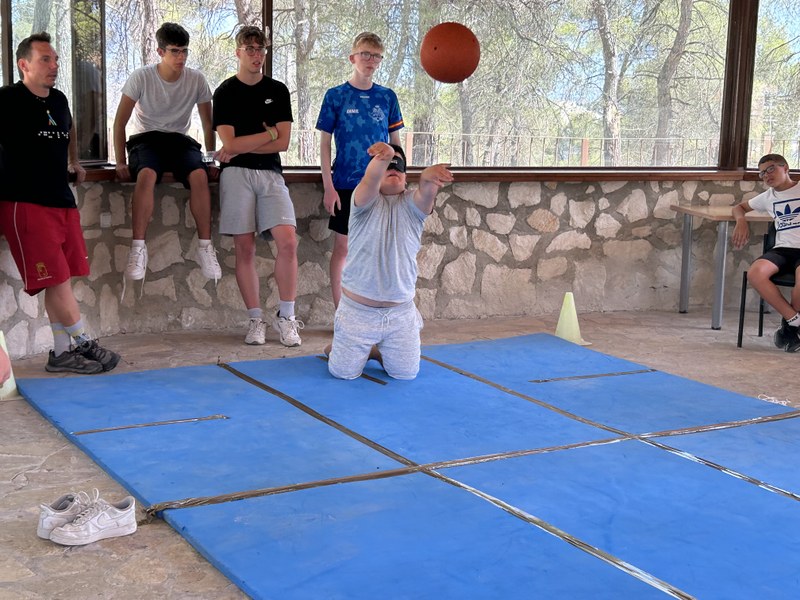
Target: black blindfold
397 164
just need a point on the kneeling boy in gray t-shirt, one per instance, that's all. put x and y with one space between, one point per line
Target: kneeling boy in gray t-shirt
376 317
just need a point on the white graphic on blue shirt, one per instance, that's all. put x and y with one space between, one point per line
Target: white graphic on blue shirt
378 115
787 214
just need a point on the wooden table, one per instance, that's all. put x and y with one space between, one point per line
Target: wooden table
722 215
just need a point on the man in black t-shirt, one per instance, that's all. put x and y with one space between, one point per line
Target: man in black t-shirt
38 214
253 117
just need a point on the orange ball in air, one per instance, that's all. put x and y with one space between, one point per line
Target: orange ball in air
450 52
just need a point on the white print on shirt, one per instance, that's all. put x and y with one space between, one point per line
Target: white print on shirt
377 114
787 214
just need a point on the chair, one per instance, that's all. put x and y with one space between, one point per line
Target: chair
784 280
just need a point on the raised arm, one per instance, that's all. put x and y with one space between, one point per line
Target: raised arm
431 180
370 185
741 232
124 112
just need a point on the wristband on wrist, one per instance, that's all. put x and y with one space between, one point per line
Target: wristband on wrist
272 134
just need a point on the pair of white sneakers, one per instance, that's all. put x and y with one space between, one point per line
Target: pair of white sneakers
288 330
76 519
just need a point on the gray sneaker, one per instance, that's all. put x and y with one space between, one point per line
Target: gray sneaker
94 351
101 520
60 512
72 361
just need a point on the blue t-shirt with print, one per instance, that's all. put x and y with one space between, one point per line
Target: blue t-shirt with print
357 119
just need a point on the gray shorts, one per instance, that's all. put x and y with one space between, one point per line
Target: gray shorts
395 330
253 201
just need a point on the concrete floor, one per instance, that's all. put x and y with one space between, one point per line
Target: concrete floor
37 464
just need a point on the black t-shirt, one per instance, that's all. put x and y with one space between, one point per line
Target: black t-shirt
247 108
34 134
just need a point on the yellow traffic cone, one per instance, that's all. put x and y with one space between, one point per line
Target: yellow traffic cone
568 328
9 388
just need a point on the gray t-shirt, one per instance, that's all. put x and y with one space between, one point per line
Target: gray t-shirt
382 248
164 105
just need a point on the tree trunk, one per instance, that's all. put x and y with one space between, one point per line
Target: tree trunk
661 150
150 25
612 141
305 36
467 112
41 16
246 13
423 152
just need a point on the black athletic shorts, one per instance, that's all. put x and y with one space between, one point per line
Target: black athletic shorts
341 218
786 259
164 152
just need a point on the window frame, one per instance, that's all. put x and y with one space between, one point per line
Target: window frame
735 117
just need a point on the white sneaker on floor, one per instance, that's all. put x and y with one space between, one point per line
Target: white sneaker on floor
101 520
137 263
62 511
209 265
256 333
288 330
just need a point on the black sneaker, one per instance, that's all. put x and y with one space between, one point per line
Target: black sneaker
783 335
94 351
793 343
72 361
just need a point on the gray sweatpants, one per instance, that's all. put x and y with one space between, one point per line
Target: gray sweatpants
395 330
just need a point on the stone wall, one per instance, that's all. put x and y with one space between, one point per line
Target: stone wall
489 249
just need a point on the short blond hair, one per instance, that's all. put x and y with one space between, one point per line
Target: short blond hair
367 37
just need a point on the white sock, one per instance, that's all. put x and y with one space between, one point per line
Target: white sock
61 339
794 321
137 243
286 309
255 313
203 243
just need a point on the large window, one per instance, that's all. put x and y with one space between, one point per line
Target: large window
775 112
593 83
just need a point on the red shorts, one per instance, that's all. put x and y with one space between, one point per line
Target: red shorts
47 243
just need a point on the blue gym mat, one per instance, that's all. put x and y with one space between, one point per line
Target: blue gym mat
516 468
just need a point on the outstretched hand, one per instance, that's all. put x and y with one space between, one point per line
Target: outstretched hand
381 151
438 175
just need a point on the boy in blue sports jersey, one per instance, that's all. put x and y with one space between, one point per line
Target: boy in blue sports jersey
356 114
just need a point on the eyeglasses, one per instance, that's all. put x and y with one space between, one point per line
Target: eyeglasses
177 51
769 169
254 50
369 56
